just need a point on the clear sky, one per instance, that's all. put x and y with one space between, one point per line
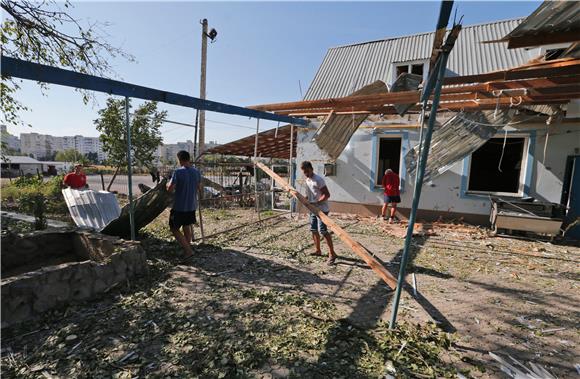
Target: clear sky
263 51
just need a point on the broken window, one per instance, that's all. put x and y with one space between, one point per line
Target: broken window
494 171
417 69
402 69
552 54
389 156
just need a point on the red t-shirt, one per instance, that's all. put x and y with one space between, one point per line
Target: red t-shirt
75 181
391 184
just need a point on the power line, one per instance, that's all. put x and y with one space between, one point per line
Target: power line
193 126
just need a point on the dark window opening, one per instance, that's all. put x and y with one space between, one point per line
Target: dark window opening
417 69
553 54
484 174
402 69
389 157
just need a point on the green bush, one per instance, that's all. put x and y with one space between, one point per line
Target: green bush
36 197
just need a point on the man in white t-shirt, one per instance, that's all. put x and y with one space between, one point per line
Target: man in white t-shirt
318 195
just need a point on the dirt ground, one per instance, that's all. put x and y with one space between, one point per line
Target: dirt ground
253 303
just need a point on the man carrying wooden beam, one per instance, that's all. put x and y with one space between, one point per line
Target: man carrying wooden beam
318 196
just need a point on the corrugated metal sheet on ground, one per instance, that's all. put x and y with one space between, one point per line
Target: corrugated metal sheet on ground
348 68
460 136
91 209
333 135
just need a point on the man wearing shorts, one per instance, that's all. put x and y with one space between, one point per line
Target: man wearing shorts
391 193
318 195
185 182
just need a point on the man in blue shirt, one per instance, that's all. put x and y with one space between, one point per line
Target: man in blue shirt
186 181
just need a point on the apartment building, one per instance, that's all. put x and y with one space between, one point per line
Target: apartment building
9 141
44 145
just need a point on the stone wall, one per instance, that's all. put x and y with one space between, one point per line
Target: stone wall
98 263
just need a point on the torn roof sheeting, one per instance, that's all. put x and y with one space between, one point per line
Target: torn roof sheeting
336 130
553 22
271 144
91 209
456 138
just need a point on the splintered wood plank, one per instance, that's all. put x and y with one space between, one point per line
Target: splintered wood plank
355 246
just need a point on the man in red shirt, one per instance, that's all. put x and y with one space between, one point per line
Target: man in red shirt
392 194
76 179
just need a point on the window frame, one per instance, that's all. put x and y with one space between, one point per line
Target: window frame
376 143
409 64
525 171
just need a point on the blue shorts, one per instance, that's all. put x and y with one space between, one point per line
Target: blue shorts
316 224
392 199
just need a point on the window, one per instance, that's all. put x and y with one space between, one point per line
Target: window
487 175
416 67
552 54
402 69
389 157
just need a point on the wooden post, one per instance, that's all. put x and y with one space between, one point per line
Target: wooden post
340 232
102 180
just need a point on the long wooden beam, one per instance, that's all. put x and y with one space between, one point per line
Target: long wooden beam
340 232
457 93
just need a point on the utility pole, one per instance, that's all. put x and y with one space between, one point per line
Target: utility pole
201 145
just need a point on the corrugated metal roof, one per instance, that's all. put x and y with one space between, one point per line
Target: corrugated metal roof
91 209
346 69
16 159
552 22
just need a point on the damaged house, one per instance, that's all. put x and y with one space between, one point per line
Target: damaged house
504 143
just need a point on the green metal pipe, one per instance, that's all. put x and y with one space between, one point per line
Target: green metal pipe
420 173
129 171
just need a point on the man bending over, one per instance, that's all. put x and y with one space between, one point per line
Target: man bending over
185 181
318 195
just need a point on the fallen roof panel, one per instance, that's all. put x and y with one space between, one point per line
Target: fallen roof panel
457 138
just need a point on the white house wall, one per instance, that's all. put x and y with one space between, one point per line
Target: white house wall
352 184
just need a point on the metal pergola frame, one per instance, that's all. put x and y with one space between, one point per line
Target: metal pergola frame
18 68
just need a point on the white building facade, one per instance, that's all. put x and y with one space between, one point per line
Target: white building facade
534 165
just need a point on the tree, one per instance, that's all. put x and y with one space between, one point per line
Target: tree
42 32
70 155
145 135
92 157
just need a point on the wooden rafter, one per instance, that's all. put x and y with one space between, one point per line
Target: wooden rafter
537 83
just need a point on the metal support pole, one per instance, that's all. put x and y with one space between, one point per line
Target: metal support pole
256 168
201 147
290 163
129 170
418 185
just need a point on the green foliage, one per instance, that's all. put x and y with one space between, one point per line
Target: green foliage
43 32
71 155
92 157
34 202
145 134
35 196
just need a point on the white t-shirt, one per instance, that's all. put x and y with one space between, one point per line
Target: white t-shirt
315 185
